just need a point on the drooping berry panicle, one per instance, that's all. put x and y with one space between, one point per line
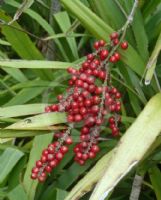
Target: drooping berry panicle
89 98
52 155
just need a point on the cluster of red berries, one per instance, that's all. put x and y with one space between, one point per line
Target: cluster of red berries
89 98
50 158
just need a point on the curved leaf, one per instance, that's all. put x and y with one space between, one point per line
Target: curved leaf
131 147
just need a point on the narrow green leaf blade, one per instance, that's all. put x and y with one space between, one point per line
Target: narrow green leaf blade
151 65
8 160
64 22
39 121
34 64
21 110
155 177
17 193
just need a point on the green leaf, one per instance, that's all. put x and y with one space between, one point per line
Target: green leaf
5 43
140 36
24 6
7 133
21 110
39 143
101 30
43 23
151 65
15 73
34 64
87 182
88 18
155 177
154 23
25 95
8 160
17 193
106 9
21 43
57 194
14 177
64 22
39 121
131 148
149 7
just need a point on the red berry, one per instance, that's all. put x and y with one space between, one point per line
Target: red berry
95 109
70 118
85 65
117 56
68 140
87 103
95 72
85 130
48 109
111 120
83 110
83 77
48 169
118 95
92 155
96 99
98 90
45 152
64 149
114 35
90 80
38 164
35 170
79 83
115 41
96 45
85 156
34 176
90 121
59 156
115 131
50 157
60 97
79 155
42 177
90 57
124 45
53 163
113 59
54 107
95 148
43 159
102 75
77 118
69 69
102 43
91 88
103 54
